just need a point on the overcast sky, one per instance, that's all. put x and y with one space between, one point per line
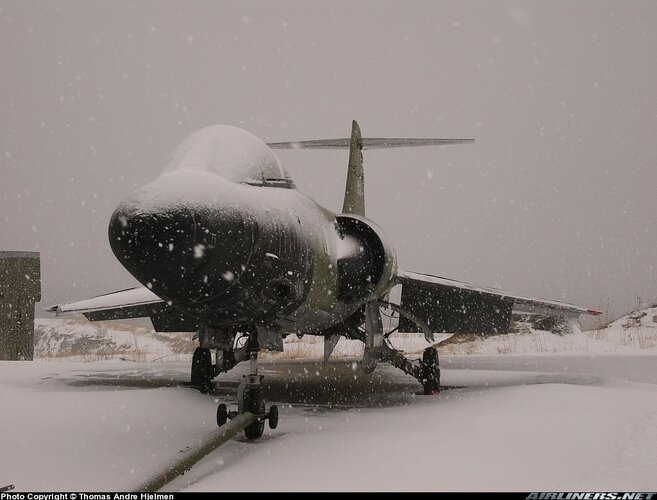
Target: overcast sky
557 198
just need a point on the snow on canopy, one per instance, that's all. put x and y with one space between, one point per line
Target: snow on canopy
230 152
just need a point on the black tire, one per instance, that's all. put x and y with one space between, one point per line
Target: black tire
430 371
254 402
272 417
222 414
202 369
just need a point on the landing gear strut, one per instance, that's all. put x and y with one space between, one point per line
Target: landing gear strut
426 371
251 399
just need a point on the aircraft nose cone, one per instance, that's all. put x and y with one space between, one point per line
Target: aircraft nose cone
184 237
158 247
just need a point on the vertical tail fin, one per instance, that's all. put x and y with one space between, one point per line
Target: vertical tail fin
354 194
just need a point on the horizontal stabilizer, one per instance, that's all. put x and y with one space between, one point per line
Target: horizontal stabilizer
368 143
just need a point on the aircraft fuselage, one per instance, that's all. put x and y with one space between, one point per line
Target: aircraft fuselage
232 251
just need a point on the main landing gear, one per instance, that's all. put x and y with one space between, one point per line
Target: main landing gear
203 371
430 371
426 370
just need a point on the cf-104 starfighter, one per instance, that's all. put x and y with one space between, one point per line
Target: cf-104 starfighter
227 247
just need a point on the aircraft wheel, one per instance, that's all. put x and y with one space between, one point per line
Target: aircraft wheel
430 371
202 370
222 414
272 417
254 402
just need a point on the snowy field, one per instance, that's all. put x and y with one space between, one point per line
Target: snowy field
506 423
571 412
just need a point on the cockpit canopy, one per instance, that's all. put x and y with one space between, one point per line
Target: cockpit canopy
232 153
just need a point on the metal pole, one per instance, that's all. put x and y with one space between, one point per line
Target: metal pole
186 458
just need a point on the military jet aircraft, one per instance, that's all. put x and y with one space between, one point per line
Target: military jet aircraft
227 247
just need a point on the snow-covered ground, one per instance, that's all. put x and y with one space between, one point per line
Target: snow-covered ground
506 423
525 412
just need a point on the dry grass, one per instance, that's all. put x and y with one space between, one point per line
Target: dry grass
106 340
85 341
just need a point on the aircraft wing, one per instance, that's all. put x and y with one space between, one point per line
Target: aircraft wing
447 305
137 302
130 303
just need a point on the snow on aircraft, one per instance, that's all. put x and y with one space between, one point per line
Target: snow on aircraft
227 247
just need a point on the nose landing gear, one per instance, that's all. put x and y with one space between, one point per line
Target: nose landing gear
250 399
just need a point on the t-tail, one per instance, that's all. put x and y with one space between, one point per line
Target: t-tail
354 196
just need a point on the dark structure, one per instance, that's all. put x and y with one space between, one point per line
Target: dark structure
453 310
20 288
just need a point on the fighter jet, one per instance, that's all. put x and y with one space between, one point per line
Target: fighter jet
227 247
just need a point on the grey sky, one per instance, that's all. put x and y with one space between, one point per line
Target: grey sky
557 198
